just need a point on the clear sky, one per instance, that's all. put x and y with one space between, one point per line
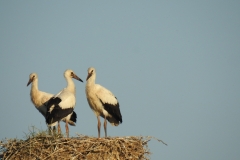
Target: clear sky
173 65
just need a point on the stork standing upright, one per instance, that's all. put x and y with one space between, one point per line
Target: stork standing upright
60 106
40 98
102 102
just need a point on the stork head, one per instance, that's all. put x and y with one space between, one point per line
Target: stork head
32 77
91 72
71 74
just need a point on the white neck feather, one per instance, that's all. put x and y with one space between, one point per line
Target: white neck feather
70 85
35 84
91 80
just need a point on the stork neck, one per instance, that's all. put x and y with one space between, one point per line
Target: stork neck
91 81
35 84
70 85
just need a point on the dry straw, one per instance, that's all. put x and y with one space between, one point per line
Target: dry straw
42 146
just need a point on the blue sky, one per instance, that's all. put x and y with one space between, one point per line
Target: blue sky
173 65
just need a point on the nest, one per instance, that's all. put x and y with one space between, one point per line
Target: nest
81 147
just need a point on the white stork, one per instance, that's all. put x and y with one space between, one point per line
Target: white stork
40 98
102 102
60 106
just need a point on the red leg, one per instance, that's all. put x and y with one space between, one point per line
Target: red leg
105 127
67 129
59 128
99 126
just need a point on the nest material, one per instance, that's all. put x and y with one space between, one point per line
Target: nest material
81 147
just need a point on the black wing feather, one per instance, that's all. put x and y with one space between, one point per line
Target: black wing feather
57 113
114 110
73 117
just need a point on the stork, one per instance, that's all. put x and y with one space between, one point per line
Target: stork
102 102
40 98
60 106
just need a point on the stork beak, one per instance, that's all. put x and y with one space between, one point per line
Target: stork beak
89 75
76 77
30 81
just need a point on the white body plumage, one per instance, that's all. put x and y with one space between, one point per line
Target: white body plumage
60 106
102 102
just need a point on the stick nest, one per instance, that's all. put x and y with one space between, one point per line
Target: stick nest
43 146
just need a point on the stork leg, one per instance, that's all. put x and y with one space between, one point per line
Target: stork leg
49 130
105 126
54 130
99 126
59 128
67 129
